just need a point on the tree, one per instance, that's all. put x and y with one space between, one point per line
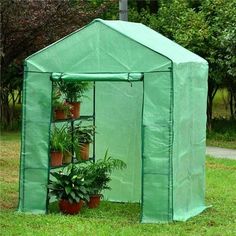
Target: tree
221 44
26 27
207 28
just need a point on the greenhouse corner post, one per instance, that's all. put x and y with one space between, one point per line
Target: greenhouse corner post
94 122
142 149
47 199
171 186
21 174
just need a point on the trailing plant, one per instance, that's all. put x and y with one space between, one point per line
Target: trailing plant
99 173
69 184
74 91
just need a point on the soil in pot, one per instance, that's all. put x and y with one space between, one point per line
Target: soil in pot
70 208
94 201
84 151
56 158
75 110
67 157
59 115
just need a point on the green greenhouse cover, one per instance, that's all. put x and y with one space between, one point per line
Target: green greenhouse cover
150 106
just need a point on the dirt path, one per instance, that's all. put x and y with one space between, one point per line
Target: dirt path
221 152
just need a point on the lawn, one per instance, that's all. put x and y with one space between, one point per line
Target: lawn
221 107
115 218
223 132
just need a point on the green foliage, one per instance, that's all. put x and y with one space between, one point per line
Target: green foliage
189 28
21 36
62 106
98 173
59 104
207 28
74 91
10 83
60 139
84 134
221 18
69 184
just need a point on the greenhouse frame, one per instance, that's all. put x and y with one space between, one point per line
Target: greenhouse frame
149 108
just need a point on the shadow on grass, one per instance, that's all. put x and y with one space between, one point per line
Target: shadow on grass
106 210
223 133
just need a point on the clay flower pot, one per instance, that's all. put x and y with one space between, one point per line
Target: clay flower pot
67 157
94 201
75 110
59 115
84 151
56 158
70 208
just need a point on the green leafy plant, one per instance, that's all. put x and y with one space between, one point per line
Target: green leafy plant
84 134
59 138
98 174
74 91
59 104
69 184
67 140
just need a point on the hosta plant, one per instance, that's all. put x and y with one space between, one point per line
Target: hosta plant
69 184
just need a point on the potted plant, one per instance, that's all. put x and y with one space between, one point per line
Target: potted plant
74 91
69 187
57 145
67 155
83 136
98 176
61 109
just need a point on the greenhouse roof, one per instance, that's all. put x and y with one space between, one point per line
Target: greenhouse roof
152 40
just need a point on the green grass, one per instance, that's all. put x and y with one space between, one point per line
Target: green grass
115 218
223 134
9 136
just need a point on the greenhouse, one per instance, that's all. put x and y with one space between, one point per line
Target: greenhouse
148 103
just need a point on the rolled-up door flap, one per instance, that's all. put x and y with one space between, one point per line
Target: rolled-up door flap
97 76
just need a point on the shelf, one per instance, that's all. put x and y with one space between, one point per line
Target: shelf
81 161
71 125
74 162
89 118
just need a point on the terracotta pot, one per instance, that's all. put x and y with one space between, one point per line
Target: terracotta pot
59 115
67 157
56 158
70 208
84 151
75 110
94 201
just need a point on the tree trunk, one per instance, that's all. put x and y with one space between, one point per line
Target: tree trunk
209 113
7 115
154 7
212 89
232 104
141 5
